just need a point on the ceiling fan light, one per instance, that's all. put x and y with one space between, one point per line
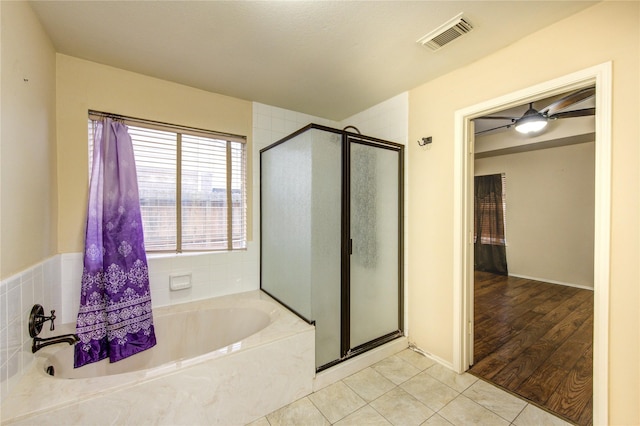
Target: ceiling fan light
531 126
531 122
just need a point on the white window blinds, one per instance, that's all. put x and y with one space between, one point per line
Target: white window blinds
192 186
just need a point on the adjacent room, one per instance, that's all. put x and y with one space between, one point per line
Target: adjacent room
319 212
534 233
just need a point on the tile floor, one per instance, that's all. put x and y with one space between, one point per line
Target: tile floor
409 389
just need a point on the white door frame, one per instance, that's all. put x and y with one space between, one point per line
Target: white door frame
601 76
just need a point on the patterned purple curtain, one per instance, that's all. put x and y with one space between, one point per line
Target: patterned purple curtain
115 317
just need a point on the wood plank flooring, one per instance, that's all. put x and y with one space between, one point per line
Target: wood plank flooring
535 339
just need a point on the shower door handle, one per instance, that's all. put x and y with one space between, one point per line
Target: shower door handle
350 246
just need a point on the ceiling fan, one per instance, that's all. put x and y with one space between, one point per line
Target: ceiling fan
534 121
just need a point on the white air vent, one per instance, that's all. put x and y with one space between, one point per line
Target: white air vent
446 33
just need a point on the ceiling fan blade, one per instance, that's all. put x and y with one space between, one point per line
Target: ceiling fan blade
576 113
506 126
496 117
568 100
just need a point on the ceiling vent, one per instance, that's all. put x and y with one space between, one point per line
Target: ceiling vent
446 33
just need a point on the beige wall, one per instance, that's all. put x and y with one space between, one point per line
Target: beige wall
28 172
550 212
608 31
84 85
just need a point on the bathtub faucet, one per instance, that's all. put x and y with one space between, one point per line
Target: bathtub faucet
39 343
36 321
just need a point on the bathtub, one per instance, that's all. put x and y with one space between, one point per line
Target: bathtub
227 360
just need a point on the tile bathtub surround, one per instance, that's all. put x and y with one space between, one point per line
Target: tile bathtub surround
38 284
228 386
213 274
410 389
55 284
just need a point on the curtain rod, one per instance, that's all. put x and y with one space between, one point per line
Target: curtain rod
235 138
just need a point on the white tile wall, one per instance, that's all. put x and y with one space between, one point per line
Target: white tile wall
389 120
271 124
38 284
212 275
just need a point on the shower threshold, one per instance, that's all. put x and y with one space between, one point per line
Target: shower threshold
353 364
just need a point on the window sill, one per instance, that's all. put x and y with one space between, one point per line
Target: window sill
171 255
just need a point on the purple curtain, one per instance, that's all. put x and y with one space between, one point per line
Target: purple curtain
115 317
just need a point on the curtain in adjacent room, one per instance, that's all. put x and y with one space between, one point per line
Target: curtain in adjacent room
489 230
115 318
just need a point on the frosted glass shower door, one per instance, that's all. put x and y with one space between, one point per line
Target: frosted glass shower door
374 221
301 180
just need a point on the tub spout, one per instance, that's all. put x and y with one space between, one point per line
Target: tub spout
39 343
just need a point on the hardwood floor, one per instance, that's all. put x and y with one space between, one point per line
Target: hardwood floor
535 339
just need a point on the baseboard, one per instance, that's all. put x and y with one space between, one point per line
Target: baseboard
546 280
435 358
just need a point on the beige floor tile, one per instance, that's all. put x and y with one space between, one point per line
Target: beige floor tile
262 421
456 381
500 402
462 412
364 416
336 401
396 369
369 384
302 413
534 416
416 359
401 409
431 392
436 420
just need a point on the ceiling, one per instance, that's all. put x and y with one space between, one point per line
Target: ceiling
330 59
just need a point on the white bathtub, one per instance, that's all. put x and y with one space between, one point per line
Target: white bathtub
227 360
181 335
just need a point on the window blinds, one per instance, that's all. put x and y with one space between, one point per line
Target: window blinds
192 186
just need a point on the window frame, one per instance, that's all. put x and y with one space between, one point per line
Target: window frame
179 130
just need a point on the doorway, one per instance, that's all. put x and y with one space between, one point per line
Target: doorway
600 76
533 291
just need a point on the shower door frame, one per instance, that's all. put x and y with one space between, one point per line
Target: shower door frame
347 139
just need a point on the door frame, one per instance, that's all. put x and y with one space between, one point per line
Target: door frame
348 139
601 76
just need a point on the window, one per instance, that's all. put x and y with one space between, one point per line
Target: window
490 209
191 183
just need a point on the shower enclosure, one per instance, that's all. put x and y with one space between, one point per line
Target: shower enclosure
331 236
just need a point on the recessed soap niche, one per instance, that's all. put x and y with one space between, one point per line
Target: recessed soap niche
180 281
